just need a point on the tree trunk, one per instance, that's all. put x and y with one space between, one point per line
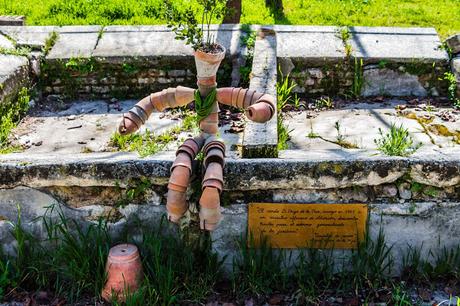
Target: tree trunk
233 14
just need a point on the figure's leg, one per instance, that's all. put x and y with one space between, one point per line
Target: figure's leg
213 182
181 170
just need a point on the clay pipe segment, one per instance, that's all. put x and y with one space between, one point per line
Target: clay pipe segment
214 144
214 155
176 202
190 146
210 124
176 205
242 98
214 176
260 112
213 181
167 98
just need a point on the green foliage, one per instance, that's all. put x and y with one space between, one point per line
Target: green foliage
397 142
314 273
248 40
10 115
258 268
22 51
149 143
181 267
283 134
172 263
81 65
284 89
444 16
188 28
324 103
4 277
50 41
358 79
203 107
421 268
451 80
399 297
371 263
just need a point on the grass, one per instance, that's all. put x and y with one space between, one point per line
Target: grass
396 142
248 40
149 143
10 115
451 80
181 268
284 89
444 16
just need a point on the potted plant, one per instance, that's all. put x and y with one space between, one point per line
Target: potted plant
207 52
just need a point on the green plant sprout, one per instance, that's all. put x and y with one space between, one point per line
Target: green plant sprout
187 27
396 142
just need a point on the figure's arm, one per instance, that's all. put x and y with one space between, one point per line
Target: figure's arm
259 107
159 101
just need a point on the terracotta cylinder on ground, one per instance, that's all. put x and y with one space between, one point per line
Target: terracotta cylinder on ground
124 272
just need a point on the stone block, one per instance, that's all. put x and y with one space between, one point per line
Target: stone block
12 20
153 41
5 43
387 82
400 45
261 139
456 71
311 44
14 74
75 42
29 36
453 42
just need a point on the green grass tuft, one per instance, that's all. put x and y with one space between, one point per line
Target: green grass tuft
396 142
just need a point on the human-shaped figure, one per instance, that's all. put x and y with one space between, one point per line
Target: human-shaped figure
259 107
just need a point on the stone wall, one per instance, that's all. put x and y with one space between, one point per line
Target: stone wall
96 78
414 200
362 61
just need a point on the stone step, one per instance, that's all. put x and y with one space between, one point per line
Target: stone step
14 75
34 37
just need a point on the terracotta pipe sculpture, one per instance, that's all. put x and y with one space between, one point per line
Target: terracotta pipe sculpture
259 107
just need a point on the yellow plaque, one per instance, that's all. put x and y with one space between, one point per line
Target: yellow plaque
338 226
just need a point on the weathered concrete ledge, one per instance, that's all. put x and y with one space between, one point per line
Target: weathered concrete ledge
261 139
317 171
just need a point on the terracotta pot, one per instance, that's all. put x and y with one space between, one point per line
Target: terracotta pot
207 65
260 112
124 272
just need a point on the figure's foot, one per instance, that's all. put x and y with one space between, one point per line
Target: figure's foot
176 205
210 214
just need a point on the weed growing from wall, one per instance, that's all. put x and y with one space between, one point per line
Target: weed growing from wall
451 80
